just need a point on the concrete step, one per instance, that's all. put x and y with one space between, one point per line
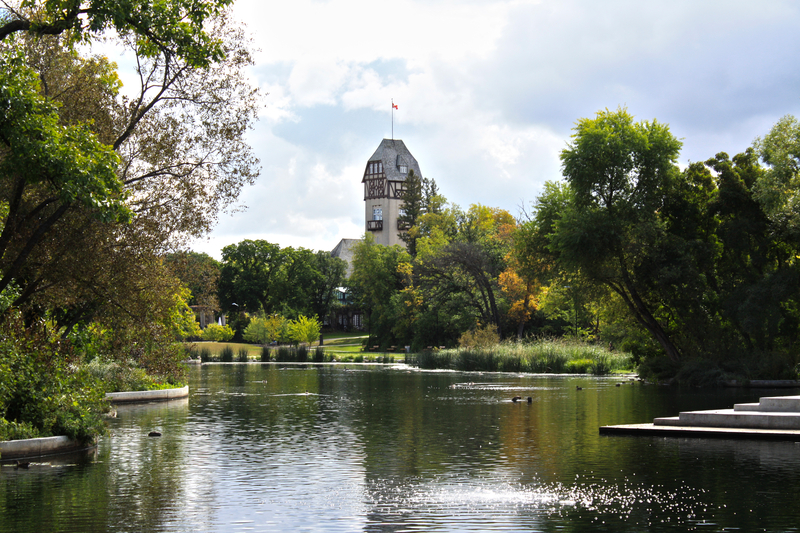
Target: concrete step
772 404
667 421
729 418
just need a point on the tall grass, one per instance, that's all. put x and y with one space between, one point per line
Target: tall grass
544 356
265 354
226 356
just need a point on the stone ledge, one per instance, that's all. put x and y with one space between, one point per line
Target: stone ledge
148 395
16 449
705 432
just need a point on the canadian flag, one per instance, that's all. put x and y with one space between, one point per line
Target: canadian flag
394 106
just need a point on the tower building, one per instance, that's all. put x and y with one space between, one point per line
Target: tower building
384 183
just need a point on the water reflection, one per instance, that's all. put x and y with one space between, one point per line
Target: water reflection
331 448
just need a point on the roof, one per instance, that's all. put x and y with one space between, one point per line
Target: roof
344 250
393 153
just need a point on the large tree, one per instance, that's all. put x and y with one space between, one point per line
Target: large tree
619 173
116 178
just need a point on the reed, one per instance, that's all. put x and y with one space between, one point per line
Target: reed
543 356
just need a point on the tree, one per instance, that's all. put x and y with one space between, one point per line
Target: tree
331 275
411 211
619 173
250 275
182 155
375 279
176 26
304 329
198 272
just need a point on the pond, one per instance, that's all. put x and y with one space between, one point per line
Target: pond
266 447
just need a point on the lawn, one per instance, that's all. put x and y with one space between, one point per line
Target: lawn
334 343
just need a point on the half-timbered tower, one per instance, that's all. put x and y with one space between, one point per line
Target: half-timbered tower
384 183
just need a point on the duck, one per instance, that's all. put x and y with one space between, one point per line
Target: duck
530 400
154 434
515 399
578 387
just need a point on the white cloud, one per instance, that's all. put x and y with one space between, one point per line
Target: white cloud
488 92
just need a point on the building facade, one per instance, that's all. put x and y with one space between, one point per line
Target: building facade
384 183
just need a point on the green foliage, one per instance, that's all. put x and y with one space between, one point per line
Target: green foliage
265 351
118 377
69 160
177 25
226 356
243 355
44 390
304 329
205 354
548 356
257 331
217 333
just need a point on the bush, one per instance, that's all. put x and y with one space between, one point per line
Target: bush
243 355
284 354
265 354
217 333
305 329
44 388
319 354
579 366
480 337
226 356
302 354
205 354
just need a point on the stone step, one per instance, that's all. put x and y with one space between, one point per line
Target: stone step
773 404
667 421
729 418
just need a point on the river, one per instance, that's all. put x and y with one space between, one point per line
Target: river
266 447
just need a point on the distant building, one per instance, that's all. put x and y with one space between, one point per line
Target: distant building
344 251
384 184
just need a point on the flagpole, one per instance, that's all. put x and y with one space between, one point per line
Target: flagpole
392 118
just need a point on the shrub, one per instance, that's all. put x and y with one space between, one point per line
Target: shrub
579 366
319 354
226 356
265 354
302 354
257 331
284 354
44 388
243 355
217 333
480 337
305 329
205 354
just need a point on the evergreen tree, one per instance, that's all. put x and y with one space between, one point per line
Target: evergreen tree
413 202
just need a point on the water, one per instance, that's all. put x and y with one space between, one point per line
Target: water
391 449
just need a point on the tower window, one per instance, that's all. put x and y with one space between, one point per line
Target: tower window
377 213
403 169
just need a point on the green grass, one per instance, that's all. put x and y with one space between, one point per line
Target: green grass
253 350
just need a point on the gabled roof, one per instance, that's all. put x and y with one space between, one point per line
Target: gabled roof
393 153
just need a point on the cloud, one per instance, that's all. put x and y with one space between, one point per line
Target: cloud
488 92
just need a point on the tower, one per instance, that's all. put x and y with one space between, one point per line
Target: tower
384 183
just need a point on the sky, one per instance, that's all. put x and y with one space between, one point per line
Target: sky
488 92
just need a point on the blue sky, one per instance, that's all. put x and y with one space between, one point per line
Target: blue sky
488 92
